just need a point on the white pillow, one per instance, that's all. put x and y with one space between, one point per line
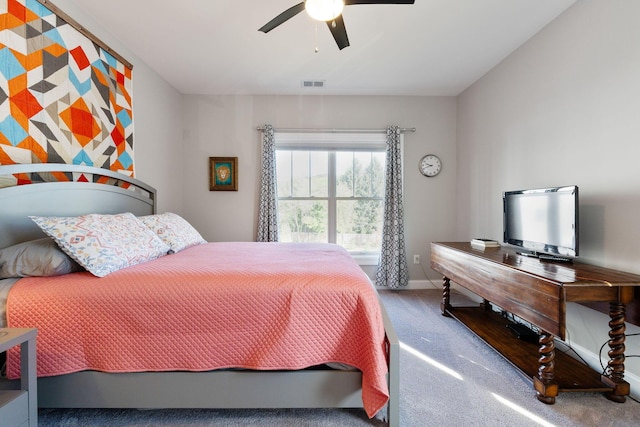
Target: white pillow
103 244
41 257
174 230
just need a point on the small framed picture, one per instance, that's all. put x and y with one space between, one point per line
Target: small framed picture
223 174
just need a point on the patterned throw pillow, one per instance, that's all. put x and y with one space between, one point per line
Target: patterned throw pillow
174 230
103 244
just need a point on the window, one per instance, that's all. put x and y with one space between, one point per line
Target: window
331 189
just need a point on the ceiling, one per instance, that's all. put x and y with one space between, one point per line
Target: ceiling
431 48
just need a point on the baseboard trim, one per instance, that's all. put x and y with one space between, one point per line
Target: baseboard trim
415 285
420 284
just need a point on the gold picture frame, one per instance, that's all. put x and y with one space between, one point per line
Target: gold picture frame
223 174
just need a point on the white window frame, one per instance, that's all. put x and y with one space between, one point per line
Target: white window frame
335 141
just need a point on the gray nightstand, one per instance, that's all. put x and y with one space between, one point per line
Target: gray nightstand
20 407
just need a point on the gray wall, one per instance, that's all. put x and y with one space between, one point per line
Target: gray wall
563 109
226 126
156 118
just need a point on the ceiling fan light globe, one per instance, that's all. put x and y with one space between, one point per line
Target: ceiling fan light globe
324 10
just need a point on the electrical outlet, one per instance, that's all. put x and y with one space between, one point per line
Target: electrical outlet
416 259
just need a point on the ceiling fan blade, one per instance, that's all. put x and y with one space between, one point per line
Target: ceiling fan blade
283 17
339 32
350 2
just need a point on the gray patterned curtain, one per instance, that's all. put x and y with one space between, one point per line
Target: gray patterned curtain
392 267
268 209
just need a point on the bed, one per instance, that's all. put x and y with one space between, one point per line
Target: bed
306 383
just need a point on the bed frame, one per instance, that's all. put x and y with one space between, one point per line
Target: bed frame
312 388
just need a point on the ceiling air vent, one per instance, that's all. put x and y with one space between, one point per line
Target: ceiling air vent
313 83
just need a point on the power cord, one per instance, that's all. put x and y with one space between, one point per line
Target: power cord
570 349
427 277
604 369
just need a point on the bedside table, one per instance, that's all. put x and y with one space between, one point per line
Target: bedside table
20 407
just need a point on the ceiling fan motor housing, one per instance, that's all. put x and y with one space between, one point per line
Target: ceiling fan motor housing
329 11
324 10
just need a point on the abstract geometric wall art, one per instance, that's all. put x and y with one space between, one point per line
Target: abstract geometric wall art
64 97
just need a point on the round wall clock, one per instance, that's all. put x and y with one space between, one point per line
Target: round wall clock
430 165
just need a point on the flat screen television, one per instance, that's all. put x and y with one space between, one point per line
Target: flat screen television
542 221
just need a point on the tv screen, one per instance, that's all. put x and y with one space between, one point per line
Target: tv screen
543 221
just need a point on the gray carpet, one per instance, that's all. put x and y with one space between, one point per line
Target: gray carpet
448 378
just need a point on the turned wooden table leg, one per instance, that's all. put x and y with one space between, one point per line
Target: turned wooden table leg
446 293
614 374
546 387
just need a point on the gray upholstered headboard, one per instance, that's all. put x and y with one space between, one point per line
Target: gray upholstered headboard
52 198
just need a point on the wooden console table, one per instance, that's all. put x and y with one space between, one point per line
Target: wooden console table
537 292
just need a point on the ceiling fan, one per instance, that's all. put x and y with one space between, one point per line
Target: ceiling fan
329 11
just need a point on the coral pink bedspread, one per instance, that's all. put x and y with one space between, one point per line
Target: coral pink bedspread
217 305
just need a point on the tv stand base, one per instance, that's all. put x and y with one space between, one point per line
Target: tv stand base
550 372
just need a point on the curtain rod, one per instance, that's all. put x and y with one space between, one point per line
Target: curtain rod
293 130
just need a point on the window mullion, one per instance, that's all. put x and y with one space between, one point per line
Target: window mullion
310 174
371 192
331 182
353 174
291 193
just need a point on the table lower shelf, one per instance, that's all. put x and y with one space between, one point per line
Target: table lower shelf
569 373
